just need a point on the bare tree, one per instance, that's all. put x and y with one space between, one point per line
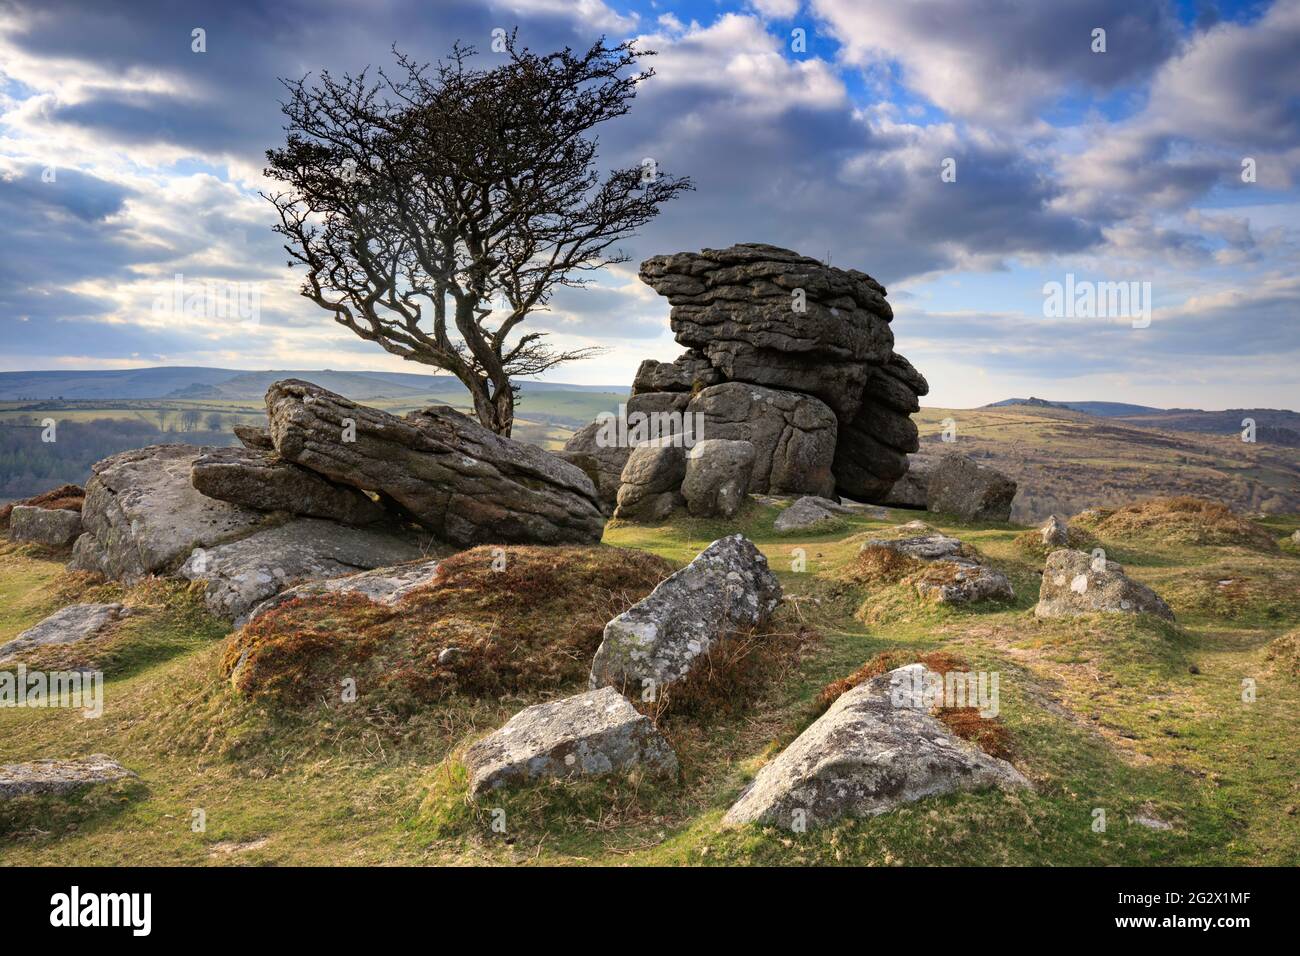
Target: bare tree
436 210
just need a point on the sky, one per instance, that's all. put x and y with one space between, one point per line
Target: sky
966 153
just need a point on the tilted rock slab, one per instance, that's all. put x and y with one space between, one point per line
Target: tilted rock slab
58 777
242 574
876 748
262 481
143 516
461 481
1077 583
737 307
793 435
587 735
727 588
52 527
958 485
254 436
69 625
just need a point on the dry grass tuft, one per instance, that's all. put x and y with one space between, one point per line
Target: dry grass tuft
877 564
1284 653
1182 519
533 626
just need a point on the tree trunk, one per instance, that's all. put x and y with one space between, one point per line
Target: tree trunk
496 412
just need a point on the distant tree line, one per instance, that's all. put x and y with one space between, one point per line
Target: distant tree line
29 465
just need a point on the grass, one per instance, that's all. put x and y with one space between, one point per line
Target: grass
1120 714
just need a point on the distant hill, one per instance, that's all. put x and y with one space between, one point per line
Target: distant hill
196 382
1277 426
1105 409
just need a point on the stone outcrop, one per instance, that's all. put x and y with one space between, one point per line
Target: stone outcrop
242 574
463 482
793 435
590 734
795 357
69 625
877 747
769 316
58 777
263 481
651 482
1075 583
960 486
142 515
52 527
717 477
728 588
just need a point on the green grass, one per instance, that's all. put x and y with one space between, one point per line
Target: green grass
1126 715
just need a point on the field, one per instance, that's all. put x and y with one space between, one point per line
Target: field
1065 461
1130 716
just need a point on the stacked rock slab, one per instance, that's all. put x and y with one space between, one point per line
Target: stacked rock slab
463 482
771 331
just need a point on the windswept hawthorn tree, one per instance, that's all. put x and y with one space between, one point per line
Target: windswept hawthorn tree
434 210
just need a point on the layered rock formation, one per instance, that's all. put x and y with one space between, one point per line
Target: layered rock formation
791 355
463 482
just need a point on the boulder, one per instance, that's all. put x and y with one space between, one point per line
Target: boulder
241 574
877 747
809 514
65 497
1055 532
717 477
656 642
386 586
955 575
255 437
463 482
143 516
963 581
863 467
590 734
57 777
599 459
263 481
913 489
793 435
1077 583
769 316
929 545
53 527
70 625
688 373
973 492
651 482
